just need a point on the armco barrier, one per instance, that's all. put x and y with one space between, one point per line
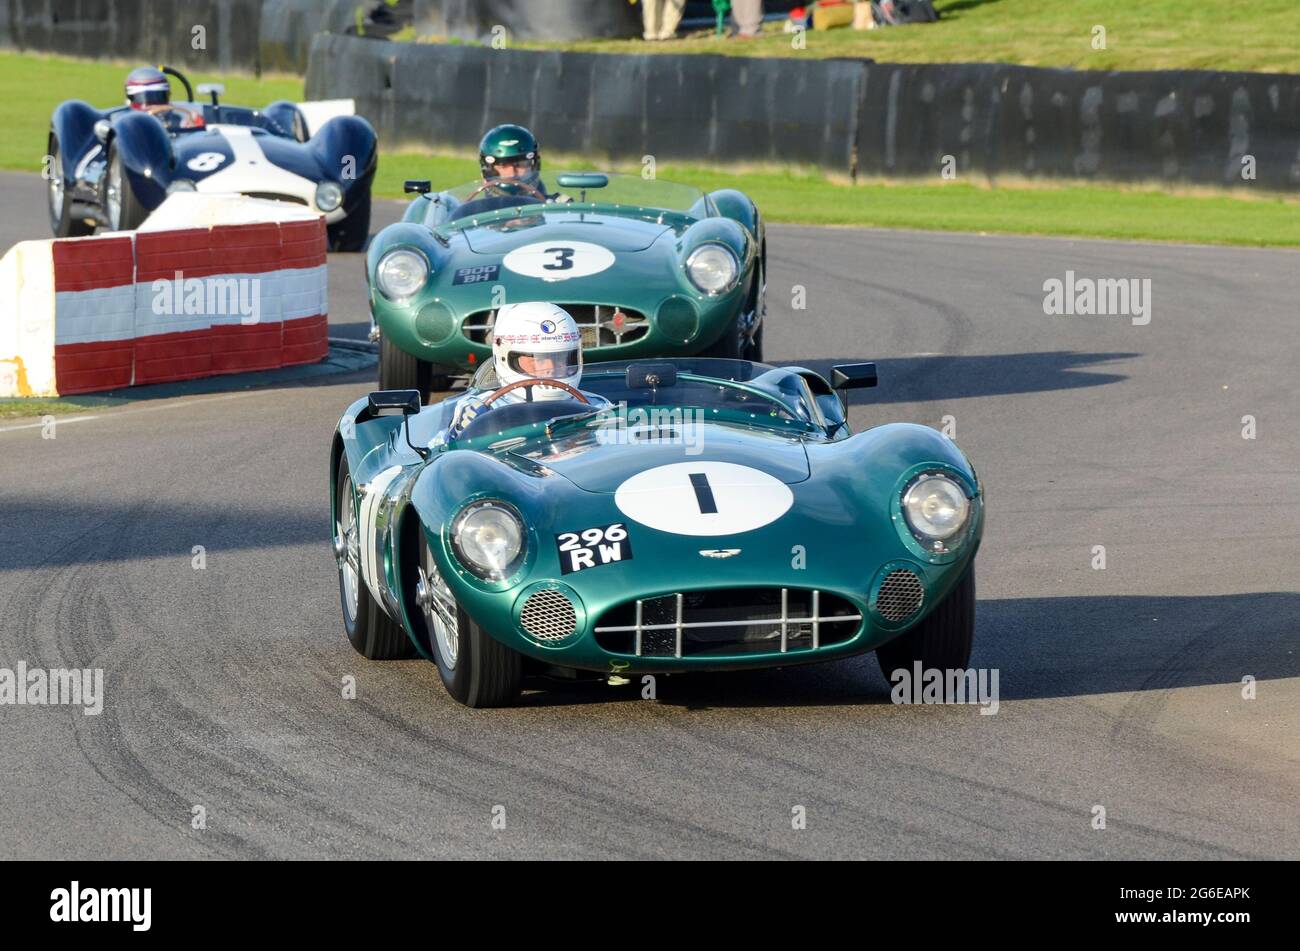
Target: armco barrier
85 314
1001 120
891 120
672 107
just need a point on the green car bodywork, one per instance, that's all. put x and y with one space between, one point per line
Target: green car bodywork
841 535
630 295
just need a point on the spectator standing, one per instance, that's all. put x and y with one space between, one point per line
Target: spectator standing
748 15
659 18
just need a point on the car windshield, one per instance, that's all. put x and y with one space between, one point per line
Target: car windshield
226 115
630 190
702 382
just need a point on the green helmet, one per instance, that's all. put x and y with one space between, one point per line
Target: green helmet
510 142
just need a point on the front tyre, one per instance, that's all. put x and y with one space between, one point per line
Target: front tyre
370 630
59 194
739 341
942 641
121 207
477 670
352 232
399 370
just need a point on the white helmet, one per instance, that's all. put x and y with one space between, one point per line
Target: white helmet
525 334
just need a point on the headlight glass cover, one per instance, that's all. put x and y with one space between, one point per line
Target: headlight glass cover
328 196
401 273
936 507
489 539
712 268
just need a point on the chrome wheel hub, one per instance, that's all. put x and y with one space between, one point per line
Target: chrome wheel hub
439 610
347 552
56 195
113 195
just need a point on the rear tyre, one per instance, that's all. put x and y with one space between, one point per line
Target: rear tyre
60 198
371 631
399 370
943 640
122 208
352 233
477 670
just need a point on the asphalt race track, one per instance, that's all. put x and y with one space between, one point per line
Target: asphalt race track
1119 688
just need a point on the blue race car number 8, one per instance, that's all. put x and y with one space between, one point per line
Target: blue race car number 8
205 162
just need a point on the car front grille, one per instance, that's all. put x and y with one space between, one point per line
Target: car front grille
734 621
601 325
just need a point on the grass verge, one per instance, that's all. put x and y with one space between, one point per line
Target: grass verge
1079 210
37 407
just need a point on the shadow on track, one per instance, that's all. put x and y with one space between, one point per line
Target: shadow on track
1041 647
917 379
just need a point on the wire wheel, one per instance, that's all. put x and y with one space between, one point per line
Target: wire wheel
347 551
439 608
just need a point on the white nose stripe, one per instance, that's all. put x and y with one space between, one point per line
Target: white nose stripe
703 498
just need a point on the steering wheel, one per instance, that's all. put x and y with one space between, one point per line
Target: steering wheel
576 393
176 117
504 187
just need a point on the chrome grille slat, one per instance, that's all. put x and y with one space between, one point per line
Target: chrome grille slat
679 624
785 620
690 625
816 623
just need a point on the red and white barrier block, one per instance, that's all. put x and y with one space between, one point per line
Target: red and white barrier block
245 290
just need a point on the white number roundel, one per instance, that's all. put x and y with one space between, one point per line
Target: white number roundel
558 260
704 498
206 162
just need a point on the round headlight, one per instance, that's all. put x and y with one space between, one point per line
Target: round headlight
712 268
936 507
489 539
401 273
180 185
328 196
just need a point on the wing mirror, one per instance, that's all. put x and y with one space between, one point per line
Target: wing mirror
409 402
102 128
416 186
852 376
